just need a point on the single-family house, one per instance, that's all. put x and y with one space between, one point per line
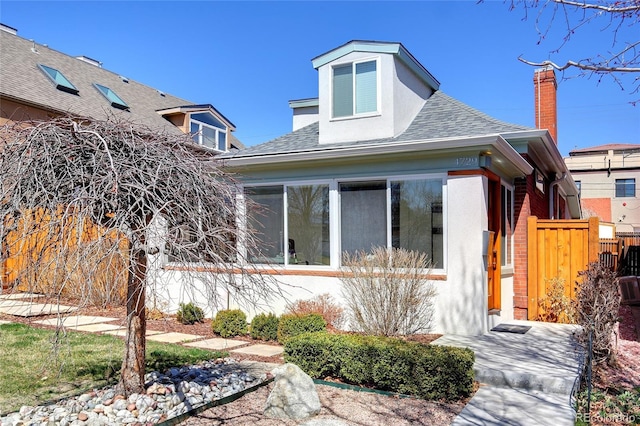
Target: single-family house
383 157
39 83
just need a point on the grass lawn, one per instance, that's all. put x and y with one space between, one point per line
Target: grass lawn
38 365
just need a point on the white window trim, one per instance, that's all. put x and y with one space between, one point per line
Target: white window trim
218 130
354 115
510 266
335 248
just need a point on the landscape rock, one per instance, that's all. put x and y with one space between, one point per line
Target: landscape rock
294 395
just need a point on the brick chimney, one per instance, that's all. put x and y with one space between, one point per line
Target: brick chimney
546 110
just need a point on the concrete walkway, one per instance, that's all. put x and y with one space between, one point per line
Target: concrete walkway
22 304
526 379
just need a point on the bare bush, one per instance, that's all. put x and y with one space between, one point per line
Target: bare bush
324 305
556 306
388 292
597 306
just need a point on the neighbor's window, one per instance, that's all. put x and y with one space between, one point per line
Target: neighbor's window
61 82
115 100
206 130
308 224
506 223
625 187
355 89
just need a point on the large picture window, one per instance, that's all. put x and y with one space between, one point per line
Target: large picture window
308 224
294 223
416 217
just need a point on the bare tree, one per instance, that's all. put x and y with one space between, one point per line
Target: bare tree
81 197
619 18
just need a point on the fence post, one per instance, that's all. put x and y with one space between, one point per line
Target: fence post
594 239
532 267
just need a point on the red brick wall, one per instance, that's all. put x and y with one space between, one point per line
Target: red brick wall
546 110
529 201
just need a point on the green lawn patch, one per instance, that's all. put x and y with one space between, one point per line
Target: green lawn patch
39 365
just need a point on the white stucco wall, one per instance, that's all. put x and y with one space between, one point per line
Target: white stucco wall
304 116
461 304
400 97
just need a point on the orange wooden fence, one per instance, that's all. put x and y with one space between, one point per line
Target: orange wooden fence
558 249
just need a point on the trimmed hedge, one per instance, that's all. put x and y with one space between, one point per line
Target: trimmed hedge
229 323
293 324
189 314
431 372
264 327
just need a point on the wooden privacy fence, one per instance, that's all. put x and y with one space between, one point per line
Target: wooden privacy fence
558 249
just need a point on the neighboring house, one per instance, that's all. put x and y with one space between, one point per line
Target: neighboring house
607 176
39 83
384 157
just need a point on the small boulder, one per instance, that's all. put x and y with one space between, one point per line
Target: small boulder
294 394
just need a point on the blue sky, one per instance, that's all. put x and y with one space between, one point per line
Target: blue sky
249 59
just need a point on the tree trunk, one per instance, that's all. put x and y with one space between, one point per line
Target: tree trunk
133 364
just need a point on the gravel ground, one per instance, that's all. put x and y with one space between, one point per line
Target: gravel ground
347 406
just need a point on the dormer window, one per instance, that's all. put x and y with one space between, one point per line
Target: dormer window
58 79
207 130
355 89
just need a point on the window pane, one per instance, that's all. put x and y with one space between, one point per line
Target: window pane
209 119
195 131
222 141
625 187
266 219
506 221
366 87
343 91
416 217
363 215
308 221
209 137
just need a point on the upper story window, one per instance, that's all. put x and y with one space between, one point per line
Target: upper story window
355 88
206 130
115 100
579 186
625 187
59 79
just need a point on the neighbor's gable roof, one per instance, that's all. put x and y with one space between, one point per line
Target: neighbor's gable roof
23 81
440 117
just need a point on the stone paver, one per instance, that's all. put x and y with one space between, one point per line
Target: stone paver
6 304
216 344
122 332
173 337
260 350
76 320
27 296
37 309
4 322
99 328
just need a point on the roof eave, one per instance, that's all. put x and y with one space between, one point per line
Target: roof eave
443 144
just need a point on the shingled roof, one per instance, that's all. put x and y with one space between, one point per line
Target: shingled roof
23 81
441 117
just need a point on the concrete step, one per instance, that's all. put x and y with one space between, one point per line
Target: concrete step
546 358
516 407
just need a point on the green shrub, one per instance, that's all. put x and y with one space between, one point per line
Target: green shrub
189 314
427 371
293 325
265 327
229 323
